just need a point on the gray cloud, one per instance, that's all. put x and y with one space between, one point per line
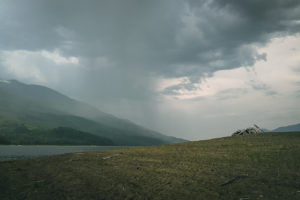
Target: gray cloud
172 38
123 46
168 38
258 85
231 93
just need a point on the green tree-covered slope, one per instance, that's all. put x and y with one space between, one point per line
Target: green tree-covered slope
43 107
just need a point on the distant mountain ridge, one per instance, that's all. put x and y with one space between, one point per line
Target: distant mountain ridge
42 106
289 128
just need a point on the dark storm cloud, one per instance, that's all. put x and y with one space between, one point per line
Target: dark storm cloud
228 29
137 38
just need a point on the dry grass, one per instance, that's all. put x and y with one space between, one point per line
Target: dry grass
243 167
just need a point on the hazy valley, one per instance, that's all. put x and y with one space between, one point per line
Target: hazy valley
33 114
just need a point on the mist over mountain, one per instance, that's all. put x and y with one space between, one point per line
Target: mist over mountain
41 106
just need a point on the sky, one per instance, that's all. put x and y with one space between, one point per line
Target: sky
194 69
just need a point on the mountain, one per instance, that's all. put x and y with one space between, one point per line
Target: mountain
265 130
20 134
41 106
289 128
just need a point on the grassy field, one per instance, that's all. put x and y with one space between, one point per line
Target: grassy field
263 166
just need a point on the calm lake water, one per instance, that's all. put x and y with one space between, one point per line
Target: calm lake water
15 152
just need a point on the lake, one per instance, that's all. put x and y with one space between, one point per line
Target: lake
15 152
